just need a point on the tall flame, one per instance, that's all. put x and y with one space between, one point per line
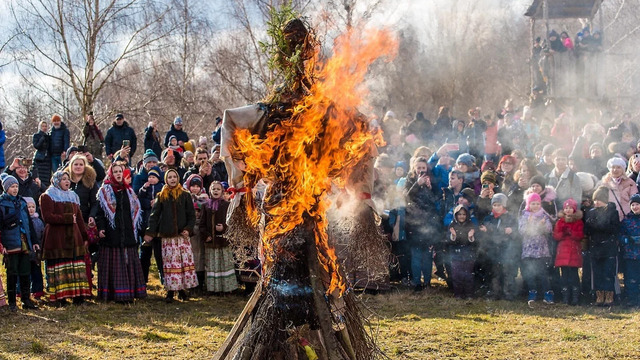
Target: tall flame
322 140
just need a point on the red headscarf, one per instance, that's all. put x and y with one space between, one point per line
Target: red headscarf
111 180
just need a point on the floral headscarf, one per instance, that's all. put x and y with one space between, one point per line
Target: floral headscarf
111 180
57 194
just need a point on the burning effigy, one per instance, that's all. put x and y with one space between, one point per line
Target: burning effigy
287 157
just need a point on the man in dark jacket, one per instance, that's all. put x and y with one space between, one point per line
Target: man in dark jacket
59 140
176 130
117 134
152 139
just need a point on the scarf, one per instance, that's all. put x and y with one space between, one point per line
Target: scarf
111 180
108 203
214 203
169 192
57 194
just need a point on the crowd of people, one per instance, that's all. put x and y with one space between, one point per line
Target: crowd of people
482 199
486 198
66 208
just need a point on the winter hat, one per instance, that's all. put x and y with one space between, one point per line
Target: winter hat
202 141
466 159
499 198
29 200
489 176
531 198
616 161
177 121
602 194
155 171
635 198
7 181
574 205
119 116
488 166
171 138
548 149
187 153
401 164
468 194
149 155
538 179
588 181
56 118
194 179
70 150
596 145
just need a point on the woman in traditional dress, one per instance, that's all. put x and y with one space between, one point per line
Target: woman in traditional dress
219 263
120 276
172 219
65 241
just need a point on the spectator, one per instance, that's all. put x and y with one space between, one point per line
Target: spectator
631 252
41 158
176 130
511 135
149 160
120 136
538 185
420 127
462 249
93 139
568 232
147 195
28 186
563 179
96 164
475 134
59 135
118 218
215 135
219 171
152 139
172 160
37 285
620 186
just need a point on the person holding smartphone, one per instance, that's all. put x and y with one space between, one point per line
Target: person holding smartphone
120 136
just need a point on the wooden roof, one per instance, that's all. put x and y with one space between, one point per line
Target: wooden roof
564 9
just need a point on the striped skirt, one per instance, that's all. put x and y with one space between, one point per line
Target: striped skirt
177 264
3 297
120 276
220 268
67 278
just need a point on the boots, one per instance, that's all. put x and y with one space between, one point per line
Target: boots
608 298
565 295
12 282
182 295
575 295
548 297
169 297
26 298
533 294
599 298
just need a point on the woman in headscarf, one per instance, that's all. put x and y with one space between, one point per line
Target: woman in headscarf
65 241
172 219
120 276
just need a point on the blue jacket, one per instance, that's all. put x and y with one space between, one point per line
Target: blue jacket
180 135
14 220
631 236
59 140
116 134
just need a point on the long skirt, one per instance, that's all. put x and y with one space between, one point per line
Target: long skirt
120 276
3 297
177 264
197 247
220 268
67 278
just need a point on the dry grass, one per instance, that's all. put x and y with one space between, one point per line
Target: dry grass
430 325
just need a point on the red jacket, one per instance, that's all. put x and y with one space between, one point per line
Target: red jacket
569 235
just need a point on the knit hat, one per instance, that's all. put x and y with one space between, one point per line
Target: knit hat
56 118
187 153
616 161
548 149
202 141
499 198
602 194
488 166
531 198
171 138
574 205
177 121
635 198
7 181
194 179
466 159
149 155
489 176
29 200
155 171
538 179
70 150
119 116
468 194
588 181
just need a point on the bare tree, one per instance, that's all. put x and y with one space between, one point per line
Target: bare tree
79 44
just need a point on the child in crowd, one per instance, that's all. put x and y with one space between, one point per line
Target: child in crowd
200 199
172 219
462 251
15 231
535 227
146 196
502 245
602 226
631 252
37 285
173 144
220 265
568 233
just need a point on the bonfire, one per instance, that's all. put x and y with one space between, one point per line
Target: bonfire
287 156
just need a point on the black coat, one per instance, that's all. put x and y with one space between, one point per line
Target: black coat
41 141
423 223
88 200
601 226
180 135
116 134
152 141
121 235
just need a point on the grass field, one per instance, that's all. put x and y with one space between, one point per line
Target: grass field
429 325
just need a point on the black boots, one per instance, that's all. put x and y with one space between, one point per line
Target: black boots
169 297
575 295
25 286
12 282
565 296
182 295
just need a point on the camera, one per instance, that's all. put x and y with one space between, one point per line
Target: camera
82 148
26 162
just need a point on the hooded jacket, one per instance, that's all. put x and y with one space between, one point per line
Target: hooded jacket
569 232
116 134
180 135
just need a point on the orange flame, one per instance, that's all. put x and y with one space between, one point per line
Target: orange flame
322 140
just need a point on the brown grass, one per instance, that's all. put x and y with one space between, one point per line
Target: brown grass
430 325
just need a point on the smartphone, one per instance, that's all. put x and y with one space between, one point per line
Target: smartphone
82 148
423 173
454 147
484 186
26 162
126 143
